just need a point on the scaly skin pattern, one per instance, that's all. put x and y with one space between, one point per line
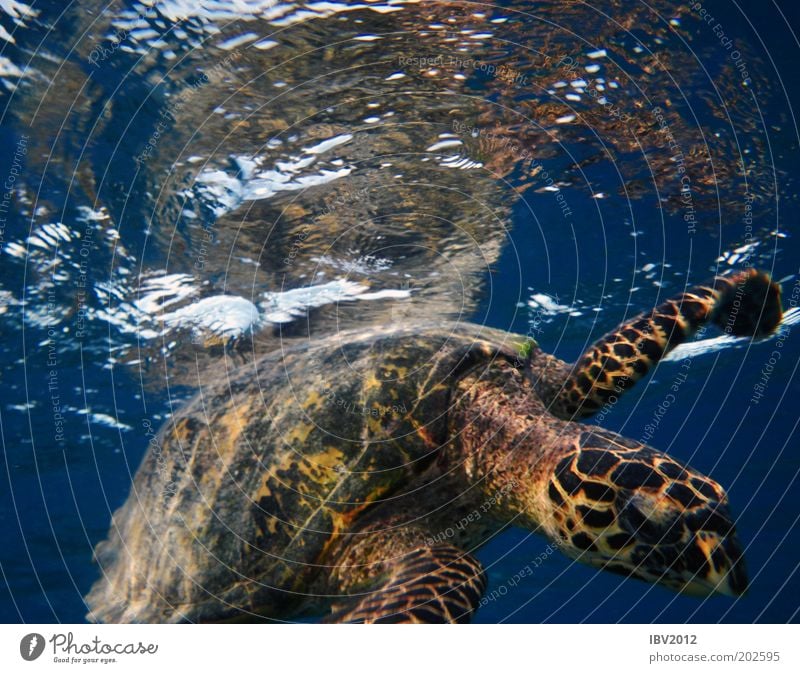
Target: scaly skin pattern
430 584
330 477
742 304
603 499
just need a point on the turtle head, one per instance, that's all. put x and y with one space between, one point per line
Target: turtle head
624 507
603 499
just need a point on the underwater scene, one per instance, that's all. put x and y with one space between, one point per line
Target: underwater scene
332 311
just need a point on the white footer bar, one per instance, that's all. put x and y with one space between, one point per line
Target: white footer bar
331 649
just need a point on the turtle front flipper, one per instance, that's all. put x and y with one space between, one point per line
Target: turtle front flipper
746 303
428 585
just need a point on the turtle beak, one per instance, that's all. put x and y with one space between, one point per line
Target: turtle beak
693 551
724 561
702 562
699 553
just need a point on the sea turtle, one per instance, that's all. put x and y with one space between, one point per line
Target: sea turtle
354 476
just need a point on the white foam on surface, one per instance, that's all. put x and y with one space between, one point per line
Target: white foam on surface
363 264
544 304
329 144
278 13
238 41
162 291
283 307
228 316
714 344
443 144
104 419
223 315
224 192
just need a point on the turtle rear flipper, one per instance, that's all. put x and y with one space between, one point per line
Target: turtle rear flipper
746 303
429 585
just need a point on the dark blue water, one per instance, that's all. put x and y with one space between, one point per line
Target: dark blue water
84 370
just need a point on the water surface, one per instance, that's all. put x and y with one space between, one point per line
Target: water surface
199 183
